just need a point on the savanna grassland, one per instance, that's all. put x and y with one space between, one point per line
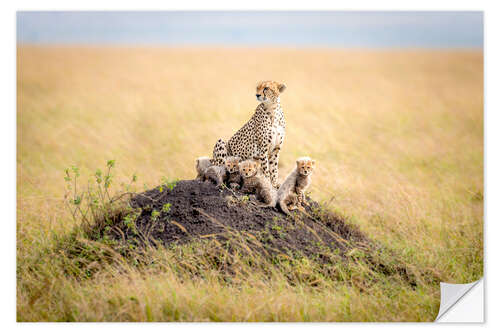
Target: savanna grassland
397 135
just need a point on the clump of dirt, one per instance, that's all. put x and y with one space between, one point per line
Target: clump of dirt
193 210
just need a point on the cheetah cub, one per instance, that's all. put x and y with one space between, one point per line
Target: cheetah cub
216 174
202 164
234 178
292 191
254 180
229 172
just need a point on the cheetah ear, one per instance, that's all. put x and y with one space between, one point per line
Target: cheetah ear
281 87
313 162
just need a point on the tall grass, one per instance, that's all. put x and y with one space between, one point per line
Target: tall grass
398 136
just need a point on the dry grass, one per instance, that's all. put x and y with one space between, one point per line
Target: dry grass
398 136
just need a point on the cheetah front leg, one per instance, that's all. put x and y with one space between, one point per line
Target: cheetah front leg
273 166
263 159
264 145
301 197
265 165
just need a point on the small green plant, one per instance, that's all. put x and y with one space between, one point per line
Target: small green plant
168 184
279 230
276 228
95 205
155 214
171 185
129 221
166 208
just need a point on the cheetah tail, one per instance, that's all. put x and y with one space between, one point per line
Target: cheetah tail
271 204
220 152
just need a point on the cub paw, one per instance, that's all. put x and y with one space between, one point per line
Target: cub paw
234 186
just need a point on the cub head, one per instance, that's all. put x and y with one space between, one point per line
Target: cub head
202 163
269 91
249 168
232 163
305 165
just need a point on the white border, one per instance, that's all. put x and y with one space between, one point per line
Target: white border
8 132
250 5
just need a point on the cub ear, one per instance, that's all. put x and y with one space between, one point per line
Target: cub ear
281 87
313 162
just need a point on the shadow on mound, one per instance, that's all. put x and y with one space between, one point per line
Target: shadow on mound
194 210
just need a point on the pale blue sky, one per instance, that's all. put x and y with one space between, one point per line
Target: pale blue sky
255 28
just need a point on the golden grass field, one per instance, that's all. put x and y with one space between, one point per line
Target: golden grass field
397 135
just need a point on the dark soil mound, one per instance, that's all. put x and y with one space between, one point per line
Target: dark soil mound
193 210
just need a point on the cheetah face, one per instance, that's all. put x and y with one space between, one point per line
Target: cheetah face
248 168
269 91
305 166
232 164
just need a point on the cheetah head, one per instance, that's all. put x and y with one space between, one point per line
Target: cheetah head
305 165
249 168
269 91
232 164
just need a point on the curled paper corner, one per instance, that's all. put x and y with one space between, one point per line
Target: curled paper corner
454 302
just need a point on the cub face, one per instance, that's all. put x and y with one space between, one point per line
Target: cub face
305 165
269 91
249 168
232 164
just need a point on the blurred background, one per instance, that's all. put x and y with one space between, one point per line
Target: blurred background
277 28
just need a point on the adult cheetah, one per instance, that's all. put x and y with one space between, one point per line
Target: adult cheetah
262 136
